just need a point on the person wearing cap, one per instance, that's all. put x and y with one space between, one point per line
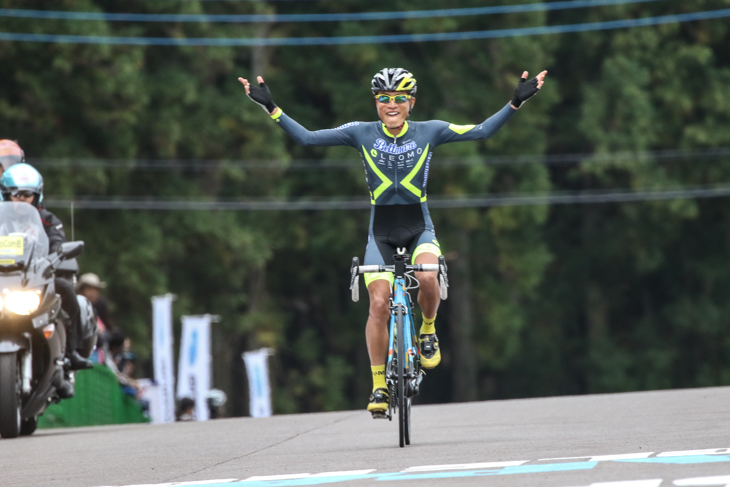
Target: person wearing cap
89 285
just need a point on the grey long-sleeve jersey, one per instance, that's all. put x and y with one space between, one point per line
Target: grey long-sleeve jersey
396 167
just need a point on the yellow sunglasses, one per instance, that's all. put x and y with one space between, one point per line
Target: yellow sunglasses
397 98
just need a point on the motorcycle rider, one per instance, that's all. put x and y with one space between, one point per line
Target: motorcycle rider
23 183
10 153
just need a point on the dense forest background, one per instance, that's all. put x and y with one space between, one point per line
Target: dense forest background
546 299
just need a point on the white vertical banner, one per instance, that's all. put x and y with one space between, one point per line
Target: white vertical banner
162 341
257 369
194 368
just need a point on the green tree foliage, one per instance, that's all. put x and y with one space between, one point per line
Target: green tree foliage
544 299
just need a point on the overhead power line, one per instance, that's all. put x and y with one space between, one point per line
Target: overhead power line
207 165
474 201
333 17
384 39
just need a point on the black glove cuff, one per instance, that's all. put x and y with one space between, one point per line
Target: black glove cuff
271 106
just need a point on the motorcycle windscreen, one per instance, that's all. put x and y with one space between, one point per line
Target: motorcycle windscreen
22 236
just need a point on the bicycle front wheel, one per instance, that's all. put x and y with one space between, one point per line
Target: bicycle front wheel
401 378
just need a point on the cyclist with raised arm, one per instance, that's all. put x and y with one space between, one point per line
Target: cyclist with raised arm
396 154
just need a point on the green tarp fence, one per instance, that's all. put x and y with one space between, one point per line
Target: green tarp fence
98 400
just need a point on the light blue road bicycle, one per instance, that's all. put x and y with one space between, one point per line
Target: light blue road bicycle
403 372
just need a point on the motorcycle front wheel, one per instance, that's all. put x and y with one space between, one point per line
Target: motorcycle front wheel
10 390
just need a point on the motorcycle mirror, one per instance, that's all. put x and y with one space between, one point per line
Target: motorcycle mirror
69 250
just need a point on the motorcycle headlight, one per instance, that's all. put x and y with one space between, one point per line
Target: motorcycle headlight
22 302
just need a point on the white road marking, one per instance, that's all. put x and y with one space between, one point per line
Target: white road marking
181 484
465 466
309 475
346 472
723 480
687 453
628 483
290 476
605 458
696 481
203 482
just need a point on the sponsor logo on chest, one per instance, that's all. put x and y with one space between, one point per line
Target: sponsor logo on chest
392 155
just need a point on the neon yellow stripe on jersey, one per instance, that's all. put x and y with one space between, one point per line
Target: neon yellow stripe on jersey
402 131
406 181
461 129
385 181
277 114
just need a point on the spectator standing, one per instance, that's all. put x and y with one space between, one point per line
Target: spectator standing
89 285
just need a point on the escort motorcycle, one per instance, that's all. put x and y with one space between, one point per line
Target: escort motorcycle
32 323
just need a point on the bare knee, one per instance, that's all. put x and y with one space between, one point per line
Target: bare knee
379 299
427 281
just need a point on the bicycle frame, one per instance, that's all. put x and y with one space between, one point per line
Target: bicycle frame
401 300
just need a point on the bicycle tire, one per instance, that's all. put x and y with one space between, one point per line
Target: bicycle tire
407 413
409 395
401 378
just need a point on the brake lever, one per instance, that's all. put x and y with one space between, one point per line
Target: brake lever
443 278
443 268
355 280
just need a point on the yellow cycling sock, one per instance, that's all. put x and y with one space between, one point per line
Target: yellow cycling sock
428 327
378 377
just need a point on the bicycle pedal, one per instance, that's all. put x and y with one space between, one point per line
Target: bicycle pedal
379 415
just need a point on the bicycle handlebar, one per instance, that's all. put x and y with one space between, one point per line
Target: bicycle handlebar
356 269
364 269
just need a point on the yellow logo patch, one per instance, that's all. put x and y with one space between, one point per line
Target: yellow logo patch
11 245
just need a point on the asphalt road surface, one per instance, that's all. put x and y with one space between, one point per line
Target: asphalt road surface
648 439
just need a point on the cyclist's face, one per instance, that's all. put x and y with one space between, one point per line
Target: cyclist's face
394 114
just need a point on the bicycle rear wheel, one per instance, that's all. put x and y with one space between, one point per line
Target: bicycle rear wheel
403 402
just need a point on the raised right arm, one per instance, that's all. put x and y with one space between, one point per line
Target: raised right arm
262 96
338 136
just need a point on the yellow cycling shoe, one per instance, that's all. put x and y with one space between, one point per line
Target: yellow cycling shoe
378 405
430 352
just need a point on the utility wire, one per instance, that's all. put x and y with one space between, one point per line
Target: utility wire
474 201
208 165
350 40
334 17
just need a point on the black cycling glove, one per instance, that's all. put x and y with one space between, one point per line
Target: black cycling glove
524 91
262 96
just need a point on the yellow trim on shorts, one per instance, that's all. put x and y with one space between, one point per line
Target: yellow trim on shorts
426 248
388 276
374 276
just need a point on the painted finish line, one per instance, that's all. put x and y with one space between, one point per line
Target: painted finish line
465 470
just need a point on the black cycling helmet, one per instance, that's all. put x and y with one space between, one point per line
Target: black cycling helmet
393 79
10 153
